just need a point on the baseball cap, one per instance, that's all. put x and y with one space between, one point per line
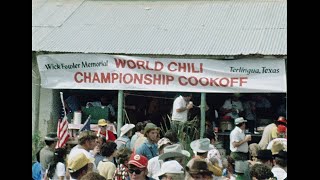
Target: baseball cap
239 120
138 160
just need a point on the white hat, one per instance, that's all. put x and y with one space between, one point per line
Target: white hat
127 127
163 141
171 166
201 145
174 150
239 120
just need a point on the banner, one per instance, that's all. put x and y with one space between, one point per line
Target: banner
117 72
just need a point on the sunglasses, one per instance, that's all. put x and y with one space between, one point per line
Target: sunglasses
137 171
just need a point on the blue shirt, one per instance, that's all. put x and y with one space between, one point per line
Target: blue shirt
36 171
148 150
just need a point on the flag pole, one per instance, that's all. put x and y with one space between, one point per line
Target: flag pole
64 108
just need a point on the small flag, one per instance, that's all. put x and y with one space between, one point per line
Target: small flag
86 125
62 132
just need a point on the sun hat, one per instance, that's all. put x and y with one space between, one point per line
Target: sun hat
138 160
171 166
201 145
102 122
127 127
77 162
149 127
163 141
276 147
174 150
239 120
52 136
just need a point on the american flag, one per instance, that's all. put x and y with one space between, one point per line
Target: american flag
62 132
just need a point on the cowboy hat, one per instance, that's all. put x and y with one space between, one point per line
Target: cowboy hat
201 145
124 129
174 150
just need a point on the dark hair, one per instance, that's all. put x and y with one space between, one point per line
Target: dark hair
123 155
139 126
48 142
281 162
92 176
210 134
261 171
108 148
76 174
59 155
38 156
172 136
240 124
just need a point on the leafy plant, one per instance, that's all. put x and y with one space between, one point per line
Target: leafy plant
37 144
186 132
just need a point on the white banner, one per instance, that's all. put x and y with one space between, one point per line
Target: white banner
115 72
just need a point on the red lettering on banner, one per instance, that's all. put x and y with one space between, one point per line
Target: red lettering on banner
96 78
185 67
169 66
76 77
242 80
87 77
139 64
180 80
169 78
148 79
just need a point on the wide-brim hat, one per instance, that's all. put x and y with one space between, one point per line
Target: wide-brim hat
277 146
77 162
127 127
51 137
239 120
149 127
201 145
172 167
174 150
102 122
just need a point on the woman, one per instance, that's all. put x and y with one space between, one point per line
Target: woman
57 168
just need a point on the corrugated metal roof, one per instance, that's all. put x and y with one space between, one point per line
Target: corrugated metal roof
162 27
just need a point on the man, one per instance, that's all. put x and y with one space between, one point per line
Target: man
47 152
124 140
149 148
138 167
86 142
239 141
181 106
280 165
232 107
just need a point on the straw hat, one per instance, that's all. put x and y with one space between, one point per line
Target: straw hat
149 127
201 145
78 162
174 150
127 127
276 147
102 122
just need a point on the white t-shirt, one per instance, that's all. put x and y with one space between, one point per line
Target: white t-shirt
60 171
178 103
153 167
238 135
279 173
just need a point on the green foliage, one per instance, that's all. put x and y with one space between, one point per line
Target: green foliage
37 144
187 132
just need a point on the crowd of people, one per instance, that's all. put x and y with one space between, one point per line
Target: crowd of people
141 152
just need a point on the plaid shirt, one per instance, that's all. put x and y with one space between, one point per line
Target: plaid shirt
121 173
